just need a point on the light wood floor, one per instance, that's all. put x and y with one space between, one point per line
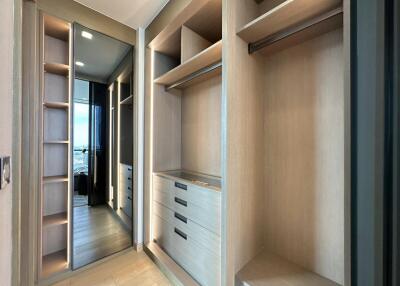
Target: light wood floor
97 233
130 269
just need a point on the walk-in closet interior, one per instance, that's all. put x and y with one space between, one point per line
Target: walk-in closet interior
247 165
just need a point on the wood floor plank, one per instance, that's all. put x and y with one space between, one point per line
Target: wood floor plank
130 269
97 233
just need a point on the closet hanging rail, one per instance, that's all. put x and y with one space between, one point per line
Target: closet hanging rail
194 75
269 40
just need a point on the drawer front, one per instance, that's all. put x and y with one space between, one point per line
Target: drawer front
198 261
201 235
126 204
126 189
207 218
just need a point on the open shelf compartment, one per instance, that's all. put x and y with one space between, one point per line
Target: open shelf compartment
211 55
268 269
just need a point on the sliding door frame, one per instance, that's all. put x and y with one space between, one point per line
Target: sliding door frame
375 142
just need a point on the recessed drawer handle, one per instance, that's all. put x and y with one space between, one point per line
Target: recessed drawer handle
129 169
129 179
129 188
181 233
181 186
181 217
181 202
129 198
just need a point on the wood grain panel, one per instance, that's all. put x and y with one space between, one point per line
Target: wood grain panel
191 44
243 167
54 239
56 51
55 160
55 124
55 88
55 198
201 127
304 155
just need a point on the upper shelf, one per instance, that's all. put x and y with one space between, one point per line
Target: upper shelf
209 56
56 28
284 16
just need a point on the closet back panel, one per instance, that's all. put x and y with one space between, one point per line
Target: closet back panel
166 129
304 155
55 124
55 199
55 160
201 127
54 239
55 88
55 50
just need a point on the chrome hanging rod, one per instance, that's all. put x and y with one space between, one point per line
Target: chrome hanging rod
260 44
194 75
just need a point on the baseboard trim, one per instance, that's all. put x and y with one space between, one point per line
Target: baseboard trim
168 266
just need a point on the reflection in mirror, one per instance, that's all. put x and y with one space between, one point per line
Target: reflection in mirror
103 146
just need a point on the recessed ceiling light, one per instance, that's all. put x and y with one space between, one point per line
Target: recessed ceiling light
87 35
80 64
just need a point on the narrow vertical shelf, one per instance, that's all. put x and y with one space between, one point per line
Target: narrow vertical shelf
55 148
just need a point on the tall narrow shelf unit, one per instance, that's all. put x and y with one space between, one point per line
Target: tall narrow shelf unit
263 108
186 142
55 153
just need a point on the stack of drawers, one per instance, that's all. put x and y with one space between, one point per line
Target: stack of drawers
125 189
187 225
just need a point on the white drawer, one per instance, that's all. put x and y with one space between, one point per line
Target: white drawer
206 238
125 171
126 204
198 261
197 204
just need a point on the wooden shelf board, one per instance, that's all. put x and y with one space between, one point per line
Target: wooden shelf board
207 57
55 219
283 16
56 27
268 269
56 142
127 101
55 179
54 263
57 68
57 105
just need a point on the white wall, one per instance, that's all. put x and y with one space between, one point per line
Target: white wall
6 80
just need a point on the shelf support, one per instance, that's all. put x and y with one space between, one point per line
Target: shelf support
194 75
260 44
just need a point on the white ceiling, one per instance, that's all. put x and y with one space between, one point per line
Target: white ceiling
133 13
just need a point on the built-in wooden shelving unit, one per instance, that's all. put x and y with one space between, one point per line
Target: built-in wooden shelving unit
204 59
55 146
291 22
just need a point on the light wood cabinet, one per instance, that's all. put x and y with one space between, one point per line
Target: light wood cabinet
186 221
263 105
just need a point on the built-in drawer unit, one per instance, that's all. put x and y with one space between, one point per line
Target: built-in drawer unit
125 189
200 204
187 222
201 263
